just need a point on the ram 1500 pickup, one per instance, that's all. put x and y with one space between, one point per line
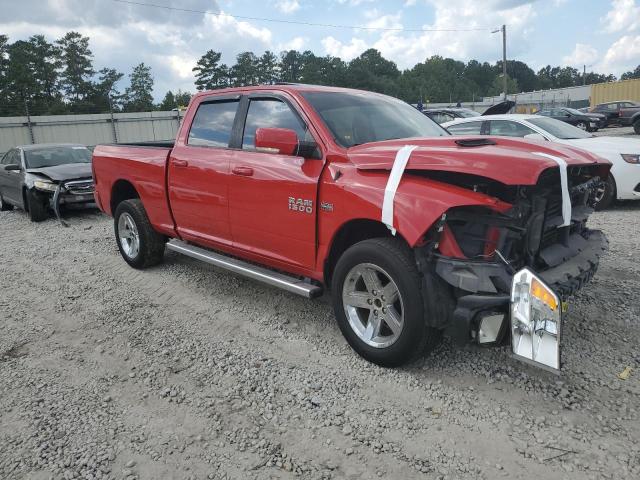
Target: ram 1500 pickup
414 232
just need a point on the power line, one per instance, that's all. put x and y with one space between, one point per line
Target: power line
295 22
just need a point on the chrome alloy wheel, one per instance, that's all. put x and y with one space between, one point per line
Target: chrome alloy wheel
128 235
373 305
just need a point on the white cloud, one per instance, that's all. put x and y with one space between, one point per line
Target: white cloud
288 6
408 48
623 16
582 55
296 43
623 55
345 51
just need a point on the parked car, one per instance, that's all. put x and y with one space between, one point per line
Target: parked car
590 122
624 153
630 116
415 232
43 176
612 110
442 115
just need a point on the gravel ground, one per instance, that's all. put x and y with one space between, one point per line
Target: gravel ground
184 371
616 132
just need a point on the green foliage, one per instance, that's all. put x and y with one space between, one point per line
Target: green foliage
59 77
209 72
630 75
138 97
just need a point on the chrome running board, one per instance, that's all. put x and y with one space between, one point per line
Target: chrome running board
276 279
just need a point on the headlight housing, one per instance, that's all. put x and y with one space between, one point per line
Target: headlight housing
45 185
536 315
631 158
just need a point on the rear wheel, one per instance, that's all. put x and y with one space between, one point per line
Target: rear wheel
139 244
636 126
36 207
607 194
4 206
378 302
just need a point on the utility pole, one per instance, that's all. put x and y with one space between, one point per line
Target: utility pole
504 60
503 29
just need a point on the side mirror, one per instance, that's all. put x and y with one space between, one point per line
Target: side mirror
535 136
12 167
285 142
276 140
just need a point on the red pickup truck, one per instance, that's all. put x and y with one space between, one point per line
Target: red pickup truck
415 233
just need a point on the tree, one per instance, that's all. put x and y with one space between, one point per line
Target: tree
177 100
631 74
209 72
268 69
138 95
497 88
245 71
105 95
371 71
77 65
290 66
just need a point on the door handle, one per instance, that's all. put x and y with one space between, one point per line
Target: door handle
244 171
180 163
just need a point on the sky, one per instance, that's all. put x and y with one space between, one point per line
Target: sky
604 35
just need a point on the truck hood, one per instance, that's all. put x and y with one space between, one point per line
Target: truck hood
61 173
511 161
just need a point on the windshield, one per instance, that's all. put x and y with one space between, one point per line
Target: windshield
357 118
559 129
61 155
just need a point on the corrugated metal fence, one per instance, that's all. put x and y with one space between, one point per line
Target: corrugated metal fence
614 91
89 129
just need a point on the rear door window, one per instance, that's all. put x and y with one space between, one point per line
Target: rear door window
467 128
213 124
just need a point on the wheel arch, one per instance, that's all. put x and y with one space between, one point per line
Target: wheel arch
120 191
350 233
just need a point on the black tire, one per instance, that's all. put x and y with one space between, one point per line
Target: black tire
396 259
583 126
609 194
636 126
36 206
151 243
4 206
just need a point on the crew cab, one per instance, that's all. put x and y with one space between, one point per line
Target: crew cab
414 232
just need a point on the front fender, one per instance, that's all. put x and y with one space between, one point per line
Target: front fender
419 202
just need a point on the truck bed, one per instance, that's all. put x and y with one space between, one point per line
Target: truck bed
142 164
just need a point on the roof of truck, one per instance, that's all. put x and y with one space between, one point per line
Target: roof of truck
284 86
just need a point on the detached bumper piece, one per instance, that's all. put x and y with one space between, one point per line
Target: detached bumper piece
72 192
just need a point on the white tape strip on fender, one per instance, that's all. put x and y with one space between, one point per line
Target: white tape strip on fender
564 182
402 157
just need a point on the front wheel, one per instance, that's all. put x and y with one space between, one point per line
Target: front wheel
4 206
607 194
378 302
139 244
36 207
582 126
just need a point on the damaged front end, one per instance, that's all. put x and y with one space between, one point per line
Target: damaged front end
511 270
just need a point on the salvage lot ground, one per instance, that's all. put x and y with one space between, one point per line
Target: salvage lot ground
184 371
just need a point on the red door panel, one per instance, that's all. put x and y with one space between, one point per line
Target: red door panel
198 193
273 209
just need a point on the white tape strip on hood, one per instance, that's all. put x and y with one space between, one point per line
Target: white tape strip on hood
399 164
564 182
